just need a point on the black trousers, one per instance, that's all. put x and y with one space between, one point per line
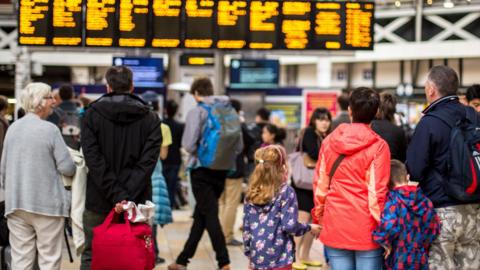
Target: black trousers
207 186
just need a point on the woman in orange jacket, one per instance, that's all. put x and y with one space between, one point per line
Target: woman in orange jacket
350 187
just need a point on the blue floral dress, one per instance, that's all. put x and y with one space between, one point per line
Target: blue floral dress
409 225
269 230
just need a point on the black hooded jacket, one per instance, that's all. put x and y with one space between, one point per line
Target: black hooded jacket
121 141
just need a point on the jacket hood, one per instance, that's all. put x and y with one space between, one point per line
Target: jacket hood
121 108
349 139
413 199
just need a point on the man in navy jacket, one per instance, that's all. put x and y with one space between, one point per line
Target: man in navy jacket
458 245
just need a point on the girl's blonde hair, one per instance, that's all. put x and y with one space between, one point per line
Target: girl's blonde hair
268 176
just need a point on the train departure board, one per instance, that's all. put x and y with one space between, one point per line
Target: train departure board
359 25
133 23
263 24
101 25
67 22
166 23
33 22
329 22
199 24
232 24
296 24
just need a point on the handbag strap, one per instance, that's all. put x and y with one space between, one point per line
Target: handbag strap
334 168
109 220
300 142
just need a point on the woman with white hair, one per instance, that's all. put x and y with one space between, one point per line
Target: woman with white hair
36 202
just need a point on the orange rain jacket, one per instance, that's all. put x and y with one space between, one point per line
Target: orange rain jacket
349 206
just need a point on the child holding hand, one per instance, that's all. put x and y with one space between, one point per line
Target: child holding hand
408 225
271 213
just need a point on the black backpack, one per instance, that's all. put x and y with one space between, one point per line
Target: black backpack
463 178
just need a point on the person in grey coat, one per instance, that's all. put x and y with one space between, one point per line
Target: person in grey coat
36 202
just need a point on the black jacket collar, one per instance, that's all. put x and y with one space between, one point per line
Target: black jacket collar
439 101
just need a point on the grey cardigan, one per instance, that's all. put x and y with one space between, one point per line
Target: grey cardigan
34 158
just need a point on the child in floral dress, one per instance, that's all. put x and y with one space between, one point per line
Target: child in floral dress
271 213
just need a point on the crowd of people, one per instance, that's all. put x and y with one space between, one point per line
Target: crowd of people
373 195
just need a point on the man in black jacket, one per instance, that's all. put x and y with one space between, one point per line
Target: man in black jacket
458 245
121 142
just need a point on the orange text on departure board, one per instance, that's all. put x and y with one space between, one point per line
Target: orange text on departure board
199 9
31 11
296 30
167 9
358 25
228 14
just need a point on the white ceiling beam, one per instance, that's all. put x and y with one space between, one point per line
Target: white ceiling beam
412 51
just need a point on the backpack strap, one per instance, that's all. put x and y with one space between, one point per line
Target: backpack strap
335 166
471 115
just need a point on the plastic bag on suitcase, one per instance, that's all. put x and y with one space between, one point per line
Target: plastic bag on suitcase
122 246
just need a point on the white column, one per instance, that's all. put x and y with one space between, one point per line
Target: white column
219 82
22 73
324 73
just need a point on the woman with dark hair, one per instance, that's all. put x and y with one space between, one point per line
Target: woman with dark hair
272 134
310 142
384 125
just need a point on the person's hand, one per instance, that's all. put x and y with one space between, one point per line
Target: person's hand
388 250
316 229
119 207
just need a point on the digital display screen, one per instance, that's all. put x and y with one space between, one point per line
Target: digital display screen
197 59
263 24
147 72
33 22
133 23
296 24
167 22
199 23
359 25
67 22
329 18
254 74
100 28
232 24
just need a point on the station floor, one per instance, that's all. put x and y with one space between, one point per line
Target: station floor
172 237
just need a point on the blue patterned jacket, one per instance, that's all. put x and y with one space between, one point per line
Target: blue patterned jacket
409 225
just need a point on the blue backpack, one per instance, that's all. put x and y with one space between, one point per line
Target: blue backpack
464 155
221 134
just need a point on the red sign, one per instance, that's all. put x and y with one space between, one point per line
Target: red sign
313 99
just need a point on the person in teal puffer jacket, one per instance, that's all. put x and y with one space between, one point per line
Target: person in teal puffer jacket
163 211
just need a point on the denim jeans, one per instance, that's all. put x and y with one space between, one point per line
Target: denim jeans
343 259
